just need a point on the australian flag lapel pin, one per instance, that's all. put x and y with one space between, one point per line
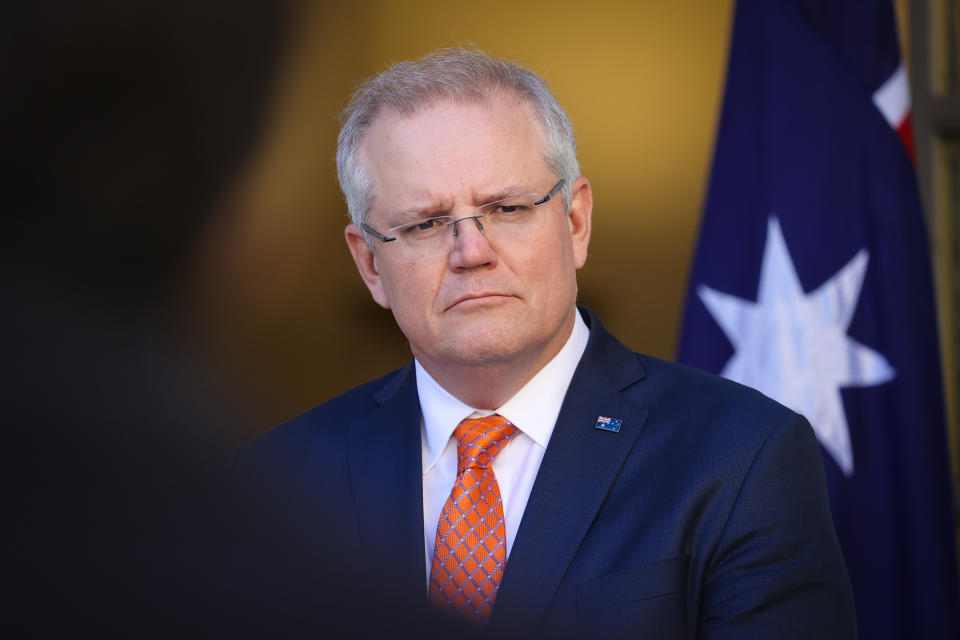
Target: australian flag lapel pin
608 424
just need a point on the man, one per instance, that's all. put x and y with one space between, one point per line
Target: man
527 472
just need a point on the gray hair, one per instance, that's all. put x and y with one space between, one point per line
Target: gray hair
447 74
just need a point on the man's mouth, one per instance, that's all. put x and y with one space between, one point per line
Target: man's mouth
477 299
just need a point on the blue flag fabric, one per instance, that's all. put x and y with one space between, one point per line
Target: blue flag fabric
812 282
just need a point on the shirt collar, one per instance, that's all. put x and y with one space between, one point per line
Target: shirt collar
533 409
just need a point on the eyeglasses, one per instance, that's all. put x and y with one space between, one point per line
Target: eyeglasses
504 220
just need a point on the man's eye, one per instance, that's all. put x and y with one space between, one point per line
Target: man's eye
511 209
428 226
425 225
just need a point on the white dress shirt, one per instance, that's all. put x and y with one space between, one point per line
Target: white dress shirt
533 410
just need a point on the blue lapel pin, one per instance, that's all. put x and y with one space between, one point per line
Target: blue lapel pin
609 424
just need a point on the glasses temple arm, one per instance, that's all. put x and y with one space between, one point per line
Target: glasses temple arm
552 193
376 234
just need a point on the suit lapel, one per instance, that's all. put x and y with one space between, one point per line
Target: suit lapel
386 475
578 470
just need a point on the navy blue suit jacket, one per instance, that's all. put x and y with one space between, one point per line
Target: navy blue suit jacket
706 515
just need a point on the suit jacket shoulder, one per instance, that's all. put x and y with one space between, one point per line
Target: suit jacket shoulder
328 420
717 422
302 468
331 505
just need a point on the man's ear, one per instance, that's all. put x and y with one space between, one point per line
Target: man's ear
580 219
366 264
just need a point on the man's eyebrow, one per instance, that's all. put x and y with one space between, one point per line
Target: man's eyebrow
422 212
509 191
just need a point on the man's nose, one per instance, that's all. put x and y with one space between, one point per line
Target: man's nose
471 248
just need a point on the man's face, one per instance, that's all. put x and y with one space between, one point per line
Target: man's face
480 304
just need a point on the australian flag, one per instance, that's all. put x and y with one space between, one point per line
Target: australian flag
812 283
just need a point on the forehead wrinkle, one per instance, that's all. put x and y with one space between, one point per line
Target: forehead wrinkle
486 105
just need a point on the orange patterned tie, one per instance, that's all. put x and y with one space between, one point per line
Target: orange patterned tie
471 547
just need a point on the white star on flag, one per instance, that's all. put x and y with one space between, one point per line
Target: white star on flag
794 347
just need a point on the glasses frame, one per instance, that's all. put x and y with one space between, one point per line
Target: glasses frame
476 218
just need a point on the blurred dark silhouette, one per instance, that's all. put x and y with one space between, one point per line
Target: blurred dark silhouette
123 121
124 124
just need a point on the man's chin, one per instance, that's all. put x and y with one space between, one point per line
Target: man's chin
483 343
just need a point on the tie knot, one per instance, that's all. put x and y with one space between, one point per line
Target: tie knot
479 440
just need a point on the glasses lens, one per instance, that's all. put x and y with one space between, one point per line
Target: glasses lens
512 218
422 240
